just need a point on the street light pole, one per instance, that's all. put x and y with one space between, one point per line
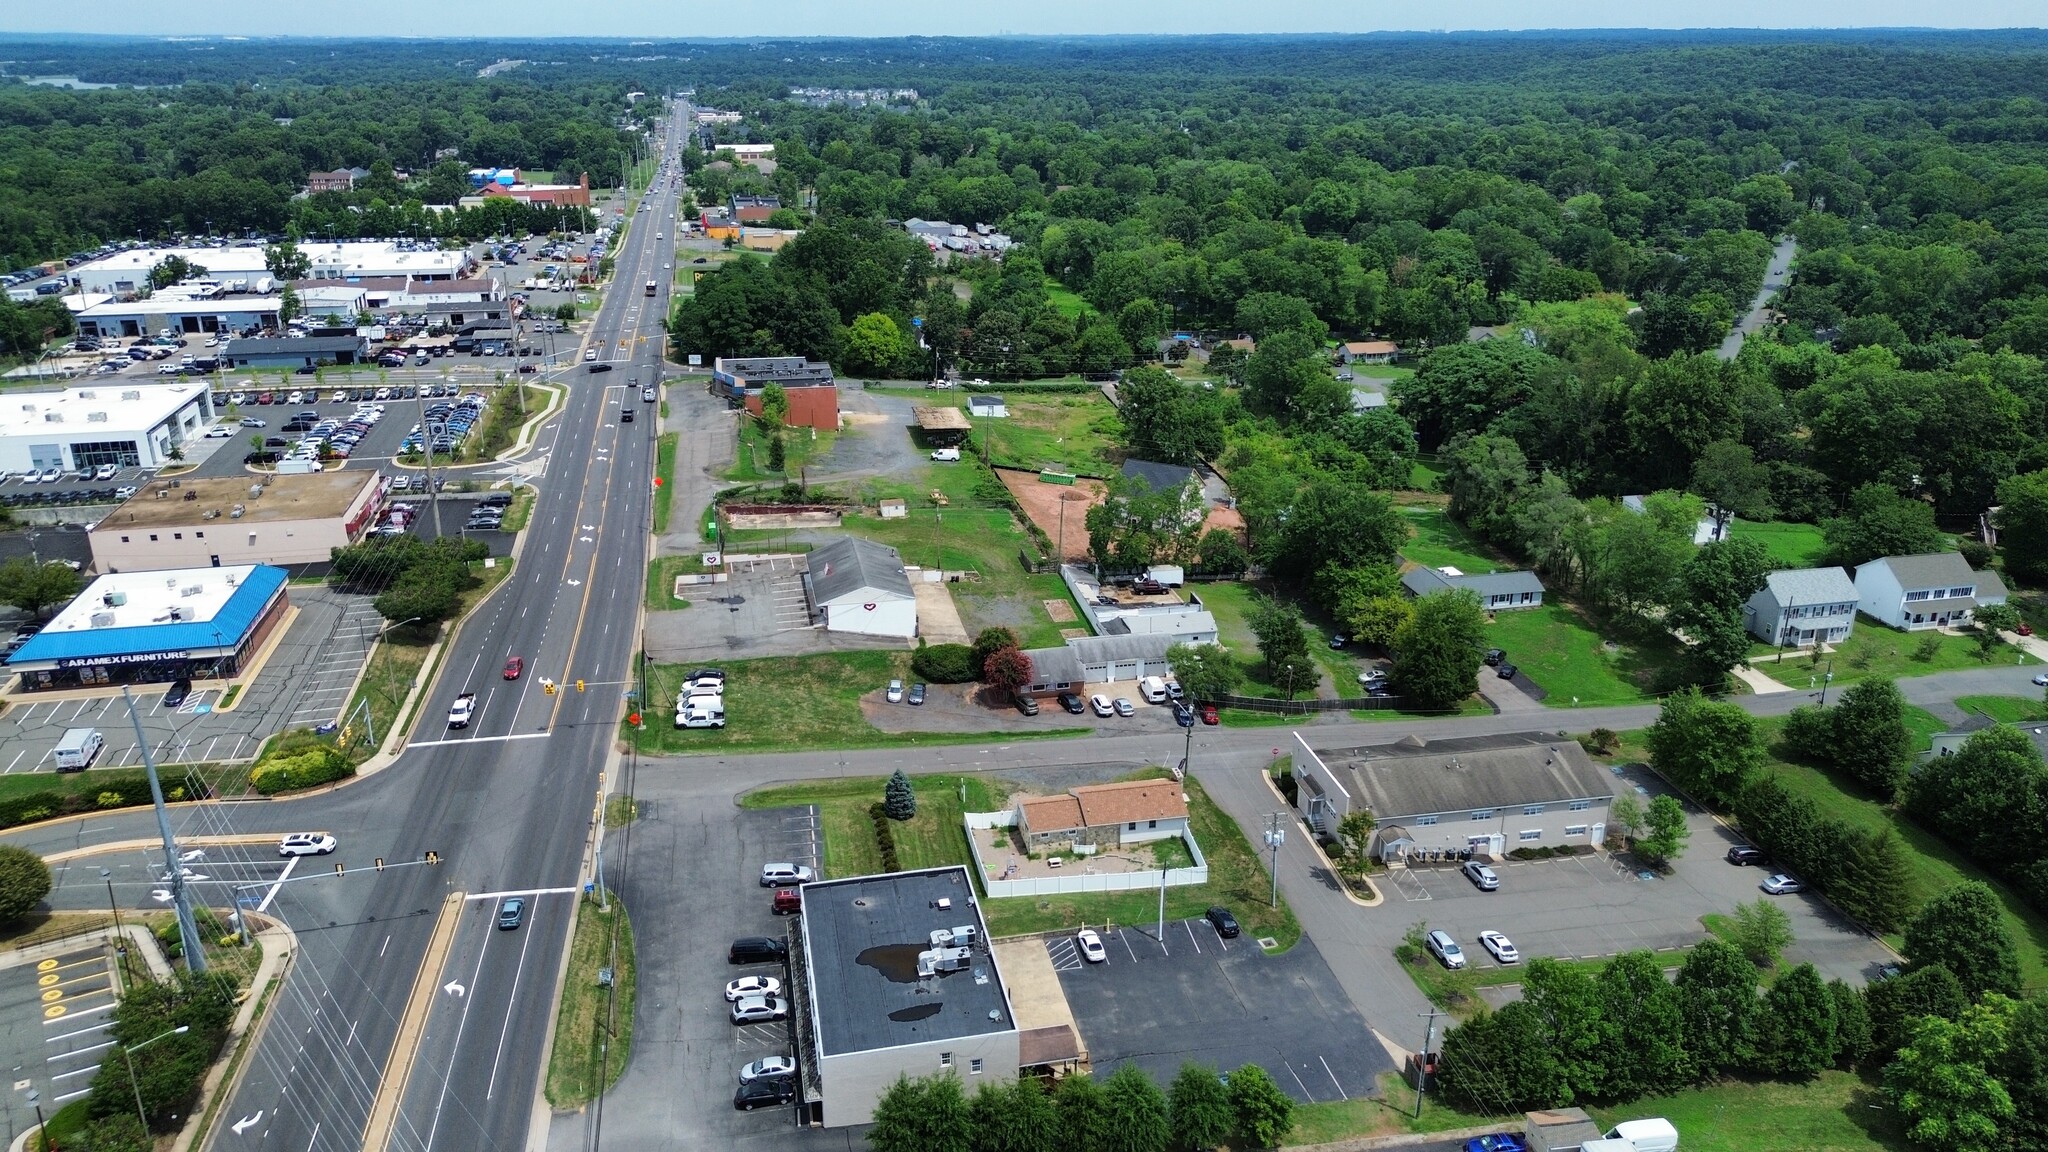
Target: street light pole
128 1054
120 939
42 1129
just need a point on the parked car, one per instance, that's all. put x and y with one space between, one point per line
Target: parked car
1226 924
784 874
1502 948
763 1093
757 950
1125 707
511 913
1743 854
1090 945
1101 704
1484 878
1494 656
917 694
752 986
1506 671
180 688
1497 1142
1073 703
787 901
1780 884
1025 704
1209 715
759 1009
1183 715
895 693
768 1067
1446 949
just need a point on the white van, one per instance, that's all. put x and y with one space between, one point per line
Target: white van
1154 689
1657 1135
78 749
946 455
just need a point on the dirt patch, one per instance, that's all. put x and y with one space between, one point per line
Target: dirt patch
1074 633
1061 611
1042 503
938 618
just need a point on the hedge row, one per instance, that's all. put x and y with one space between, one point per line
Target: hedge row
299 760
944 664
885 837
127 790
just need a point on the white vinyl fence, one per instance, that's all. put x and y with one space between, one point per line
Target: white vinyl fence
1081 880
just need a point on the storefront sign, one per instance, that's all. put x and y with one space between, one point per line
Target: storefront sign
125 658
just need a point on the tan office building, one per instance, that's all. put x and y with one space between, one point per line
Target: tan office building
224 521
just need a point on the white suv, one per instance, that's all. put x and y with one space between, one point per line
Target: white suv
1446 949
784 875
307 844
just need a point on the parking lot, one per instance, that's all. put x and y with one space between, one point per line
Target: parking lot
1194 996
380 444
54 1020
760 609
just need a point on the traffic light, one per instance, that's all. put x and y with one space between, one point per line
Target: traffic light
433 857
579 685
380 863
548 687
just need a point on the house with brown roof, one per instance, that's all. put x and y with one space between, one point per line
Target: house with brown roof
1369 352
1105 815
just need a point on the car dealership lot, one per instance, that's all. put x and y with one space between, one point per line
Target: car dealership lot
1193 996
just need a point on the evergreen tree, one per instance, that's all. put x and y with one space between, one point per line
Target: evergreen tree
899 799
1797 1031
1137 1112
1438 649
1872 881
1706 747
1083 1114
1869 736
1852 1024
1571 1007
1963 931
1717 994
1897 1004
1643 1023
929 1114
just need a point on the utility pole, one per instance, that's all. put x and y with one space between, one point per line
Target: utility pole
188 930
427 442
1428 1038
1829 679
1276 835
1162 908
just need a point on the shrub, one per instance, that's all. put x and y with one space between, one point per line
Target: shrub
899 799
299 760
885 837
944 663
1601 741
24 881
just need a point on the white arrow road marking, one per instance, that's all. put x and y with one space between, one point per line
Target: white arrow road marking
575 583
454 989
585 539
247 1122
590 527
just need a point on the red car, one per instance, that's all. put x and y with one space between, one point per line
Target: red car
1209 714
514 667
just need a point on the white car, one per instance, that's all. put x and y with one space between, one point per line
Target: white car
219 432
1125 707
1446 949
895 693
1102 705
759 1009
1780 884
1091 946
752 986
767 1067
124 492
339 397
52 475
462 711
307 844
1502 948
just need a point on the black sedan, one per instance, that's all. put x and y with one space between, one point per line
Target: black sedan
1072 703
1226 924
1744 854
180 689
762 1093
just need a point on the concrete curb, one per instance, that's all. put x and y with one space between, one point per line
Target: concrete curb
1378 897
145 844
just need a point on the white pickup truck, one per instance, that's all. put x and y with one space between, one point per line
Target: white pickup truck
465 707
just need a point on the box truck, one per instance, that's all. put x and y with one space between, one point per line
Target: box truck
78 749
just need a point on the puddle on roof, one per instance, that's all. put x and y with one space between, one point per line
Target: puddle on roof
896 962
915 1012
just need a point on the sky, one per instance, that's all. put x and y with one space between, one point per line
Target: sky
670 18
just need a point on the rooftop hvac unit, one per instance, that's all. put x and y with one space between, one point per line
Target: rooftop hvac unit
960 937
95 417
28 407
231 579
103 619
936 960
88 394
131 395
191 590
114 599
180 612
52 417
235 513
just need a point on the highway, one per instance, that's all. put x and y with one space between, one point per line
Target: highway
506 803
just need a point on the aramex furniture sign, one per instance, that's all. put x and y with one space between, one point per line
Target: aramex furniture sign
124 658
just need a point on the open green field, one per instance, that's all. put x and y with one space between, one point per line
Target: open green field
1875 650
2004 709
1069 432
582 1063
1933 865
1833 1112
791 702
1790 545
933 838
1441 542
1556 647
661 580
1065 300
1232 605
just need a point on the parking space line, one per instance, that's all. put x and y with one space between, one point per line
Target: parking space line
100 1027
1190 926
67 1017
17 759
79 1052
87 1070
1120 935
1341 1095
73 1095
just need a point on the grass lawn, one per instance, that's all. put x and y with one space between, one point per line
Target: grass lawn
1066 432
665 470
1065 300
1790 545
791 702
1441 542
521 510
1875 650
2004 709
1233 605
661 580
580 1065
987 541
1424 477
1834 1112
1556 647
1932 864
394 665
933 838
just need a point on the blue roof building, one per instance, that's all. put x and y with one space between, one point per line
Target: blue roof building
143 627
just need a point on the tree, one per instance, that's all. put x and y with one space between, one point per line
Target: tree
1717 995
1137 1112
1733 482
2023 1069
119 1132
1284 646
1644 1025
1880 522
1797 1029
1354 841
34 587
1167 421
1083 1114
1706 747
2022 521
1438 650
1963 930
1667 832
1713 590
1852 1024
1941 1083
1570 1005
1868 738
1014 1117
1205 671
172 269
1500 1061
988 642
1198 1107
1672 325
24 881
1762 930
928 1114
1976 796
1219 553
774 407
1281 373
899 799
1007 670
873 345
1625 814
1872 878
285 262
1896 1005
1992 619
1265 1114
289 307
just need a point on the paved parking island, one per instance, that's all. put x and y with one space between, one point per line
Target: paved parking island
1194 996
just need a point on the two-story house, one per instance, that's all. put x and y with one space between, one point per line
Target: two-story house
1937 590
1801 606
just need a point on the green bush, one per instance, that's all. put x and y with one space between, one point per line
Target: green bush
885 837
944 664
24 881
299 760
113 791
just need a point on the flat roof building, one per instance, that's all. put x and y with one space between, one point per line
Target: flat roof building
149 627
127 273
130 425
813 395
230 520
897 979
293 351
198 312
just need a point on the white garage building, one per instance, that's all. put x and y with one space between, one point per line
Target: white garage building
859 586
129 425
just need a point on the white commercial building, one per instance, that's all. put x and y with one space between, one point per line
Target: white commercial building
127 273
184 308
860 586
131 425
217 521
